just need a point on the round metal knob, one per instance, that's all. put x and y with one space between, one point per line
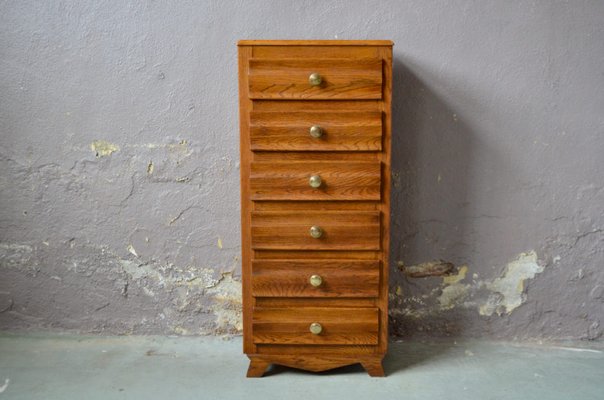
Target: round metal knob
316 328
316 280
316 131
316 231
315 79
315 181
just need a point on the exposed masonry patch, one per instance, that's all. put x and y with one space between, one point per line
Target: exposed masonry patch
501 295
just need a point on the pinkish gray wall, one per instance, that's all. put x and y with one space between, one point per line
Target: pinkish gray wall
119 162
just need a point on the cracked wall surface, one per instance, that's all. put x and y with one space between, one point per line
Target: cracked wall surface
119 188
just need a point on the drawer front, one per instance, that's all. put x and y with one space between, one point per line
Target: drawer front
316 230
347 326
288 79
315 131
315 180
318 278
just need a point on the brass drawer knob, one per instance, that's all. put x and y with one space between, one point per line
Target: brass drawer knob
315 79
315 181
316 231
316 280
316 328
316 131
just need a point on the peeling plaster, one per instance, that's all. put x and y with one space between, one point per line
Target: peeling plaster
15 255
228 306
170 275
454 292
503 294
508 290
132 251
103 148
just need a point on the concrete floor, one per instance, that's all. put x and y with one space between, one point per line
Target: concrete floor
75 367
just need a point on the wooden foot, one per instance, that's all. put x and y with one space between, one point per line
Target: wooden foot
257 368
373 367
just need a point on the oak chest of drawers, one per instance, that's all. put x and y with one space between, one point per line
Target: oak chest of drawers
315 197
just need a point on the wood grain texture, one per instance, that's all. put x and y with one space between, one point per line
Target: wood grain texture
315 363
340 181
327 302
245 105
257 367
355 326
385 157
277 107
283 79
373 367
315 43
289 131
324 349
290 278
343 230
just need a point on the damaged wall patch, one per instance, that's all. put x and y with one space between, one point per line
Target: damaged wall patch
508 290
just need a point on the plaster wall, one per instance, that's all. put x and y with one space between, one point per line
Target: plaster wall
119 182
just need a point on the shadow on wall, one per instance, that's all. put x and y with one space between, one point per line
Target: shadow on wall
431 158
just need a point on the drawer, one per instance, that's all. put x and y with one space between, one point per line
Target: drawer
315 131
315 278
335 79
315 230
352 326
315 180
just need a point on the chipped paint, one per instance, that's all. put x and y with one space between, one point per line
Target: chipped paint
18 256
169 275
452 295
501 295
430 268
150 168
508 290
132 251
219 243
103 148
228 306
460 276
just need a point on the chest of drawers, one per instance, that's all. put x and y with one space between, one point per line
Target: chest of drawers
315 200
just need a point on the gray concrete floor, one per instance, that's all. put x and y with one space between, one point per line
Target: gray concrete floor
76 367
